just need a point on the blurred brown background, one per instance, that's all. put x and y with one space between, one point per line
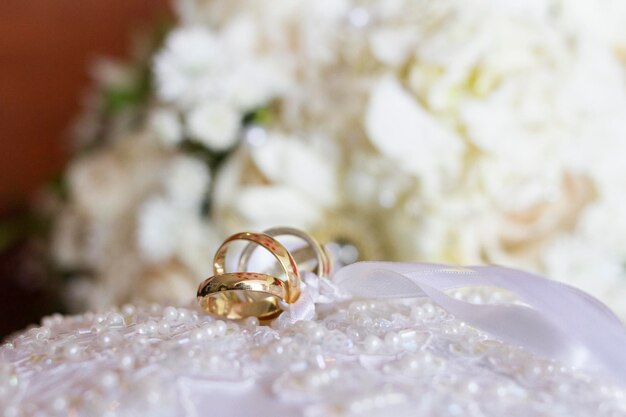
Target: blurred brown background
45 50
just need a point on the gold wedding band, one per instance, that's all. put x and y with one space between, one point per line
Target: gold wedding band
237 295
324 265
282 255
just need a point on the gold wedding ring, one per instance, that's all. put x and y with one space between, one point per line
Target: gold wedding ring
282 255
238 295
323 267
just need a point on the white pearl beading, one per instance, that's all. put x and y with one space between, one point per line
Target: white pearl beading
360 358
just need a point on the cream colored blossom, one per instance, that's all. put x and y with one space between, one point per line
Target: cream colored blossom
456 131
199 65
304 182
187 182
295 163
402 130
215 125
166 126
108 182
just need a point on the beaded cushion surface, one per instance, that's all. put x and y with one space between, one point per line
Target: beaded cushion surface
358 358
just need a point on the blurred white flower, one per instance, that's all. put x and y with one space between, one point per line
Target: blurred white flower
214 124
297 164
187 182
166 231
267 206
158 229
198 65
166 126
475 131
393 46
402 130
303 182
108 182
188 69
583 264
170 224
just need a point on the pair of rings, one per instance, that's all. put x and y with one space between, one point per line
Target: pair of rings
237 295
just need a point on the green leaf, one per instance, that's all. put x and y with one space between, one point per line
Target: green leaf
117 99
263 116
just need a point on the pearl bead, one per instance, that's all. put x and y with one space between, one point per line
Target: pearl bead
392 340
417 313
152 326
317 334
142 329
127 361
170 314
413 364
209 330
372 343
429 310
47 321
109 339
251 322
115 319
198 334
373 305
72 351
163 327
472 387
184 316
220 327
278 349
109 380
59 404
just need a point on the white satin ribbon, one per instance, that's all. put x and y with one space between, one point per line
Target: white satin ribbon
557 321
314 290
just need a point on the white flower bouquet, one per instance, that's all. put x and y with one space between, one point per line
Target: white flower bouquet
466 132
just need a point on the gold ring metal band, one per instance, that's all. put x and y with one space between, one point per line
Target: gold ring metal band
237 295
282 255
324 265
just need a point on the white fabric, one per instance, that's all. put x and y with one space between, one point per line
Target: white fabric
357 357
